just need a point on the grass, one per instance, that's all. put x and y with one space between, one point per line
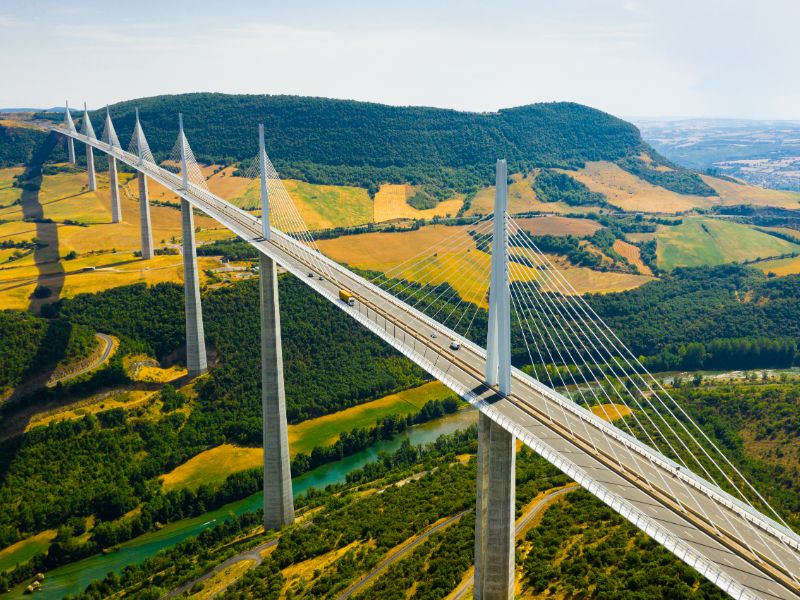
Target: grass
701 241
391 202
63 197
521 199
126 400
324 431
780 266
25 549
460 263
327 206
8 193
741 193
633 254
629 193
553 225
213 466
611 412
219 581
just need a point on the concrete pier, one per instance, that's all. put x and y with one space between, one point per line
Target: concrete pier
195 338
146 227
113 182
278 499
494 518
90 168
71 150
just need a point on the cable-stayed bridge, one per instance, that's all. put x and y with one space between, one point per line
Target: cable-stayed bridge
658 468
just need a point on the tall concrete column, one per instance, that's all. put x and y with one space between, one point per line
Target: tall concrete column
494 518
144 218
195 338
71 150
113 181
278 499
90 168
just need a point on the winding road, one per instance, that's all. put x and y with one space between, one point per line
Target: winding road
104 356
534 510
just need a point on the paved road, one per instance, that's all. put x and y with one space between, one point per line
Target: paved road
398 554
742 552
253 554
104 356
534 510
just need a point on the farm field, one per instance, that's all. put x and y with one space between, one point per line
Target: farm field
104 250
391 202
325 430
327 206
452 257
214 465
629 193
701 241
521 199
780 266
793 233
9 194
553 225
731 193
25 549
633 254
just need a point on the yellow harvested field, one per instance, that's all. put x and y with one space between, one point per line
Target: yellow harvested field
731 193
212 467
126 400
585 280
8 193
453 258
553 225
628 192
633 254
159 375
638 237
105 250
611 412
391 202
780 266
220 580
306 570
521 199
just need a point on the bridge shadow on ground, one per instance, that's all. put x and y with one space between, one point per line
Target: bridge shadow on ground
50 282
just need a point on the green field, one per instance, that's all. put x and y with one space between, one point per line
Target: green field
213 466
701 241
25 549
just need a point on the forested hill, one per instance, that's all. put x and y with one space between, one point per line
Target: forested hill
344 141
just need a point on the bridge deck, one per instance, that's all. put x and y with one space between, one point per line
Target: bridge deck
697 522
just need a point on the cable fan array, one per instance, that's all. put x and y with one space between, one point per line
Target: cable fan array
556 332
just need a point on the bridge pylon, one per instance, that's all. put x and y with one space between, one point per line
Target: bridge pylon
145 224
196 361
494 514
88 130
70 126
278 496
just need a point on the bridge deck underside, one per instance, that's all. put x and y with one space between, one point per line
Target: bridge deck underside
697 528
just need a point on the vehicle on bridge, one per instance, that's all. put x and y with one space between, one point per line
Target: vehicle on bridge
346 296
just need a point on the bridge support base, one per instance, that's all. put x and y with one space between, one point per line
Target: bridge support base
90 168
113 181
494 514
278 498
196 361
144 218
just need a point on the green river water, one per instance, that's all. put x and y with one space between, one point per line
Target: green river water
73 578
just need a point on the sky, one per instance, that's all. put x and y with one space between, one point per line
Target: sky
632 58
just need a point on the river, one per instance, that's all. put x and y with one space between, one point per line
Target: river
73 578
